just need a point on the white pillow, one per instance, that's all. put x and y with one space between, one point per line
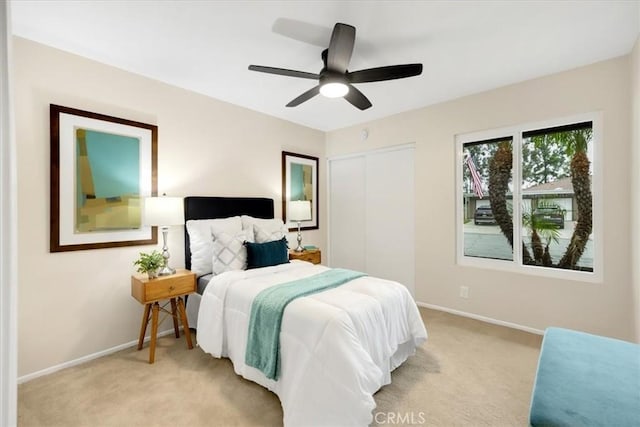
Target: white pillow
265 230
268 233
201 240
229 252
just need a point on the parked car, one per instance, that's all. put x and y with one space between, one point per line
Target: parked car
484 215
549 214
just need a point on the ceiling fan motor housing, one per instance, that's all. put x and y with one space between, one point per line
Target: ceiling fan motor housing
328 76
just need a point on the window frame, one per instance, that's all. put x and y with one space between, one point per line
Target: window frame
515 265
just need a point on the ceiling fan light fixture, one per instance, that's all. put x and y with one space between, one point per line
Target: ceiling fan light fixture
334 89
335 80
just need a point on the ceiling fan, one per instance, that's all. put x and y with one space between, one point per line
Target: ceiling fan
335 80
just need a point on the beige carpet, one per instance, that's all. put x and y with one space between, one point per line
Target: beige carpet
468 373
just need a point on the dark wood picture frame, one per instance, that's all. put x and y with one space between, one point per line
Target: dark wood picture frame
288 159
64 122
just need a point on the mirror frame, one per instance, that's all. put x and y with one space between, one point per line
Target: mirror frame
287 159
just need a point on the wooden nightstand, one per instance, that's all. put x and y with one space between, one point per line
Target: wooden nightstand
149 292
311 255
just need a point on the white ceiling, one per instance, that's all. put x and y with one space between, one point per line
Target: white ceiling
205 46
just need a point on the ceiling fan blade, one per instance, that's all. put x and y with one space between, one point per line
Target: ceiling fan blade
357 98
385 73
341 47
284 72
304 97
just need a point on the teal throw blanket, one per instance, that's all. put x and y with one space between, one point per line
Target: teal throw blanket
263 341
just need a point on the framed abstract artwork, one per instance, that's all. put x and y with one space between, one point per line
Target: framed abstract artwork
101 169
300 182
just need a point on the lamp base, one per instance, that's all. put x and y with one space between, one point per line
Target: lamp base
166 271
299 248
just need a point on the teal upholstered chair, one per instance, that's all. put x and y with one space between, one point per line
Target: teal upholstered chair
586 380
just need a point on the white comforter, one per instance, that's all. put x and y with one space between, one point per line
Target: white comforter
337 347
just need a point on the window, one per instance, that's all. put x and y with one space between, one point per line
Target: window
546 223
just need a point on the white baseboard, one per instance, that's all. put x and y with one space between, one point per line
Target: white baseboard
84 359
481 318
111 350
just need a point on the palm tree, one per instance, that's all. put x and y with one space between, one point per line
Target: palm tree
500 166
499 174
581 181
542 234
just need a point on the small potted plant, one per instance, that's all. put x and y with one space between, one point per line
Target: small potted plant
150 263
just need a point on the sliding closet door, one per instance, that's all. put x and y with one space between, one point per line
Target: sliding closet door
371 211
390 223
347 239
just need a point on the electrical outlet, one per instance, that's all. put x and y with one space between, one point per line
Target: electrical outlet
464 292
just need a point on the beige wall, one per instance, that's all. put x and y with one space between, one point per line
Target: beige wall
75 304
530 301
635 183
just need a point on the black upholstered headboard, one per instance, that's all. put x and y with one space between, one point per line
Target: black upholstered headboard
199 207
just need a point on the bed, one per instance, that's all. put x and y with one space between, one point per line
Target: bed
203 208
336 347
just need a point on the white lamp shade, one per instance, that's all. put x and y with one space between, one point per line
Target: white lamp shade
163 211
300 210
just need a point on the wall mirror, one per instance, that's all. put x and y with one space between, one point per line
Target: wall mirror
300 182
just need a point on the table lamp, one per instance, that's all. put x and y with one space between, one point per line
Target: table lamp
163 212
299 210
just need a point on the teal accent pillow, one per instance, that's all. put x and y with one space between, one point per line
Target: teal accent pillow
267 254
